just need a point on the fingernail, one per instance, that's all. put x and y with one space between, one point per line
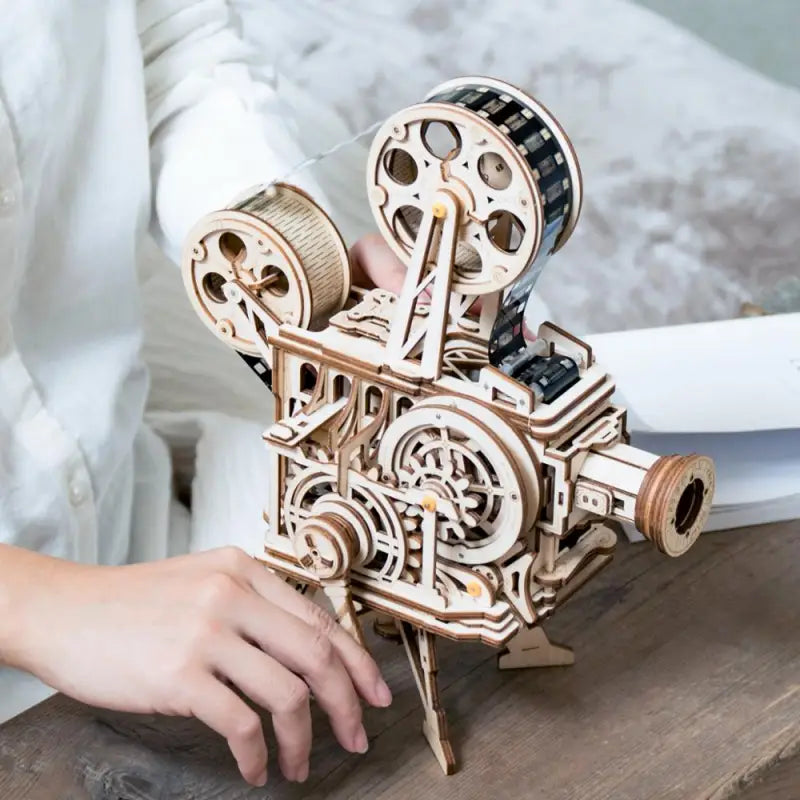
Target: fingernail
302 774
360 743
262 779
383 693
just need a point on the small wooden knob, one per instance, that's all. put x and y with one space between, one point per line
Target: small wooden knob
326 545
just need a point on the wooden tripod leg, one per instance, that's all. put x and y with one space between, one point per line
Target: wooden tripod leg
532 648
338 592
421 651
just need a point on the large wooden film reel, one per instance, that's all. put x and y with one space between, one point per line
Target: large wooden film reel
505 157
283 248
463 452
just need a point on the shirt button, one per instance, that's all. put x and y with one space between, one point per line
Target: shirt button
77 492
7 199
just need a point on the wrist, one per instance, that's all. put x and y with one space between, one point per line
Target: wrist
26 578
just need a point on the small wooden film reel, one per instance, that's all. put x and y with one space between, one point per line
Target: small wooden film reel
279 245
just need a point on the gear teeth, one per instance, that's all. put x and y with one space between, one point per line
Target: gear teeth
410 524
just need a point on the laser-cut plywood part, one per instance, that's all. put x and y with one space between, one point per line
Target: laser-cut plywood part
283 249
428 465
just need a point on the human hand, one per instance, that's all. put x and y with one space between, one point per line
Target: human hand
375 264
174 636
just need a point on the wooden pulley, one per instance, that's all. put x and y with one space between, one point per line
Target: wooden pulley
326 545
283 248
504 156
380 541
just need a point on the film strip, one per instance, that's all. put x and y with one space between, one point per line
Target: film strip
539 145
535 134
259 367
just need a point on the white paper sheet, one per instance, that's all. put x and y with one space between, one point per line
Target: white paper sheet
716 377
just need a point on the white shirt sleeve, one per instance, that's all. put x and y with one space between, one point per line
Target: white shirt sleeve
215 127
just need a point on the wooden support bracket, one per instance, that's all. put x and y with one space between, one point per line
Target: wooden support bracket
531 647
338 592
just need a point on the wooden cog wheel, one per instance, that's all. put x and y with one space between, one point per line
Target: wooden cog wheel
459 457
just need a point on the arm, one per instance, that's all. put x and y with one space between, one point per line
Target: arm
215 128
166 637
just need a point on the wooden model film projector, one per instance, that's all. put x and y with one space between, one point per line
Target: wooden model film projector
427 463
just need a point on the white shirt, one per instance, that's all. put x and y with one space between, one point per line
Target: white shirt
114 117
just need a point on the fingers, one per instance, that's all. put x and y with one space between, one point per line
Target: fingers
277 690
375 264
221 710
307 651
357 272
360 666
252 575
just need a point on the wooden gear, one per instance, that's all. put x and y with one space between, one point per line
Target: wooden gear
426 463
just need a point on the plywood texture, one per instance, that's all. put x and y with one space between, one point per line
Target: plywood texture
686 686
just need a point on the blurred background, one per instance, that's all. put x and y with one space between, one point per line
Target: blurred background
762 35
685 116
689 155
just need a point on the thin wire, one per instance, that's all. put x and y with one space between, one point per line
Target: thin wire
269 188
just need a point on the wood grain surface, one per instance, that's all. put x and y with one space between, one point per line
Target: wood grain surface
686 686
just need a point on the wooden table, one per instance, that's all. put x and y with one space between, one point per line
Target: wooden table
686 686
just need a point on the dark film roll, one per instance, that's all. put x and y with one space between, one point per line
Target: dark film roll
535 134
